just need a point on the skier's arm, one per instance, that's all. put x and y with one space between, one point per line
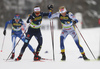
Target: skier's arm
45 14
8 22
73 18
29 20
54 15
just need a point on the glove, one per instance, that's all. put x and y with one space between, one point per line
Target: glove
50 7
31 19
74 22
4 32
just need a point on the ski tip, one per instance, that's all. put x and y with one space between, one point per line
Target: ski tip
80 57
46 51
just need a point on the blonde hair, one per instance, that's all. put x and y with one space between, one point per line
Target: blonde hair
61 7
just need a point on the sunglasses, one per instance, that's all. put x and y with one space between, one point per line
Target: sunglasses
37 12
61 10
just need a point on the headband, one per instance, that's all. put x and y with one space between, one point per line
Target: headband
37 9
62 10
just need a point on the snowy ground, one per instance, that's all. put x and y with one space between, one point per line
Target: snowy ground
92 37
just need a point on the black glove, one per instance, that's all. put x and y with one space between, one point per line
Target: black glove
74 22
4 32
50 7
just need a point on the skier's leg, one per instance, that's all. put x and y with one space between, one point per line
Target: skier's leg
27 39
38 36
76 39
40 41
29 46
13 46
62 37
62 44
13 42
26 42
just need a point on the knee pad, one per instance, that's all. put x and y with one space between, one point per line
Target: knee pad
26 42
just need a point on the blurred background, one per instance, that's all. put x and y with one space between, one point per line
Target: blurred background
86 11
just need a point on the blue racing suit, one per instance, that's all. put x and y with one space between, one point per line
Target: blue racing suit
17 32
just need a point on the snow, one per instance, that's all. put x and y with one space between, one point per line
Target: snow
92 37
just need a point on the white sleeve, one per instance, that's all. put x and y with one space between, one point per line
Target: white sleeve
24 26
72 16
55 15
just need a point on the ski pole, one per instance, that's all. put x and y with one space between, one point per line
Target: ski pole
99 46
85 42
3 44
52 36
18 42
99 49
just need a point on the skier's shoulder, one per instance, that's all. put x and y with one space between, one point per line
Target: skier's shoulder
29 15
32 15
12 19
69 13
20 21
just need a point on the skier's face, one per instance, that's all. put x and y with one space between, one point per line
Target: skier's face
63 14
17 20
37 13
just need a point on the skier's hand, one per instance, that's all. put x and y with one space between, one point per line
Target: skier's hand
30 20
50 7
74 22
4 32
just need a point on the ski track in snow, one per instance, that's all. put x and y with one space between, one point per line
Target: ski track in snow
92 37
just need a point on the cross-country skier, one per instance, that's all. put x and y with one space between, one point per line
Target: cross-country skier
35 20
17 23
68 21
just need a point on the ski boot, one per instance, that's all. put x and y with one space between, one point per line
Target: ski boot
63 56
18 58
13 55
36 56
84 57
